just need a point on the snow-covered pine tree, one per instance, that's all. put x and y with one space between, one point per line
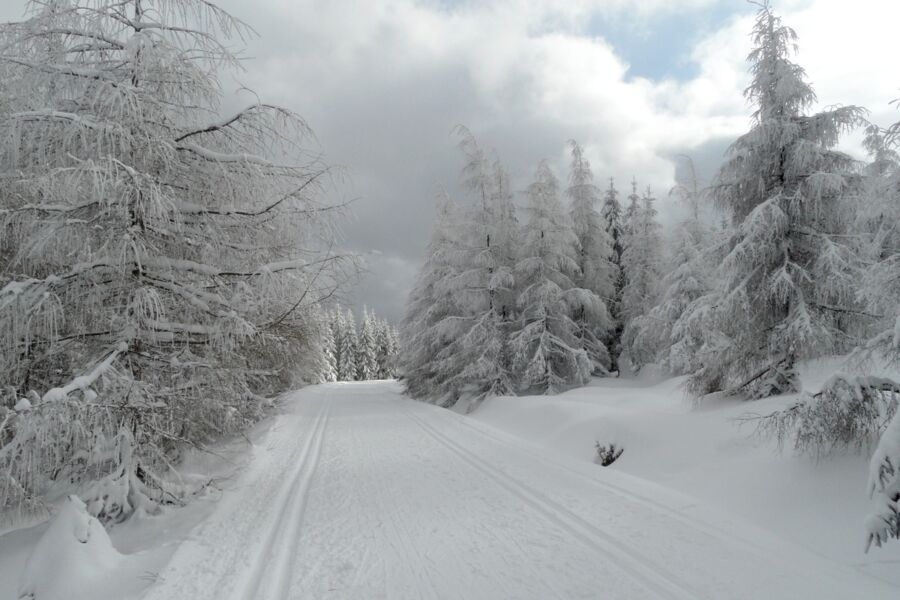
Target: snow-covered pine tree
479 359
348 367
336 320
878 227
158 251
597 272
612 217
631 212
641 259
432 321
329 369
548 355
784 291
656 336
383 350
366 361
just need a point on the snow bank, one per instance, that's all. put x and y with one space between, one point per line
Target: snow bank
73 560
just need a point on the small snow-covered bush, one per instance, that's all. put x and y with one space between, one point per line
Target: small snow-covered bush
608 454
849 412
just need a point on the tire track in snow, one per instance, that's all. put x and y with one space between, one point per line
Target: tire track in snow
280 544
644 570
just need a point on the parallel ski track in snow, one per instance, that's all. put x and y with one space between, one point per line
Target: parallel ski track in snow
280 546
647 572
709 529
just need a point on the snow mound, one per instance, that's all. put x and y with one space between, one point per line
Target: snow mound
73 560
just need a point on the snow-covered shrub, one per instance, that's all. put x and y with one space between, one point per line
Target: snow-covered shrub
607 454
849 412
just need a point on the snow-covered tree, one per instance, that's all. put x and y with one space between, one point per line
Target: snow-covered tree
385 350
157 251
548 354
433 318
641 259
612 217
784 291
658 336
597 271
878 230
483 285
348 367
366 363
631 212
329 369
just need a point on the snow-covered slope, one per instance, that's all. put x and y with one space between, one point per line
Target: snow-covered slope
358 492
819 504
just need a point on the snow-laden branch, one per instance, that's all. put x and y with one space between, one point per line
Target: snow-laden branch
84 382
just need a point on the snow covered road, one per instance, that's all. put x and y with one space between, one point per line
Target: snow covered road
358 492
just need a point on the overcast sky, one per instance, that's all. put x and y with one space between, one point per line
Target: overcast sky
637 82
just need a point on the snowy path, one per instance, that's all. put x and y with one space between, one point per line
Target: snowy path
358 492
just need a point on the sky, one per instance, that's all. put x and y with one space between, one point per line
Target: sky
638 83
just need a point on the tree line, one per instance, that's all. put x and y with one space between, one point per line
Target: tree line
366 355
502 307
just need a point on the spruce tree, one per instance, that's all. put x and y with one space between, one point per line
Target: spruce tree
366 362
612 217
348 368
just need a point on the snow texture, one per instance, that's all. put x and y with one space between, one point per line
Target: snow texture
357 492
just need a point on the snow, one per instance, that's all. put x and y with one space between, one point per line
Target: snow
820 505
73 560
354 491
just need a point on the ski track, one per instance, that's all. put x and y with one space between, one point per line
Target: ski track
279 547
358 492
664 584
538 454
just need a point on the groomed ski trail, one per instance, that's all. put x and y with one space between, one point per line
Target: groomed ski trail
358 492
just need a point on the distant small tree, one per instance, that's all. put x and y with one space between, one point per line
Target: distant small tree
348 368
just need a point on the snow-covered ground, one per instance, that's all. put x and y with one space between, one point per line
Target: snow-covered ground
357 492
703 452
